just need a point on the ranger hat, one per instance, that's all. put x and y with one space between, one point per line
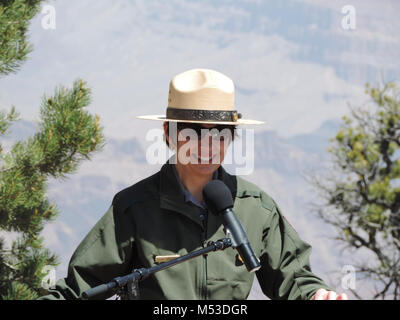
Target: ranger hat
202 96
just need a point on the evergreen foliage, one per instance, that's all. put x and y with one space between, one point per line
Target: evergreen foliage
15 16
67 134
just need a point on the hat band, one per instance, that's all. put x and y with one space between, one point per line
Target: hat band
202 115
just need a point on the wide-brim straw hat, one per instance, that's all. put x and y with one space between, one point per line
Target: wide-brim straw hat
202 96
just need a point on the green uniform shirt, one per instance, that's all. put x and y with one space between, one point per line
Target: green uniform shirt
151 218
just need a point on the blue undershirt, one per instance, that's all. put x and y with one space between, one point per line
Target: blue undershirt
190 198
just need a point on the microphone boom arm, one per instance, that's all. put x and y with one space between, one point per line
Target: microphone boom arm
127 286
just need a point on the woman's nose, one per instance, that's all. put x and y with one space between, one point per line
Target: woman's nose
207 144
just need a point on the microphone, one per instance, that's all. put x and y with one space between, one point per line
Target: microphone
218 199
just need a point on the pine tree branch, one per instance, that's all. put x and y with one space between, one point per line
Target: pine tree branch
15 16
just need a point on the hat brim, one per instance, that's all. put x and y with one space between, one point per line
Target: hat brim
164 118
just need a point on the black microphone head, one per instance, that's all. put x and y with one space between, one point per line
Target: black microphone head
217 196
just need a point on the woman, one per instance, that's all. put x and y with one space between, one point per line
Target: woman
164 216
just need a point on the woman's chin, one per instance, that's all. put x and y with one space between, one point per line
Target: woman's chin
205 168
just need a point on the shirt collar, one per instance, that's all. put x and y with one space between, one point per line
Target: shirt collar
172 195
187 195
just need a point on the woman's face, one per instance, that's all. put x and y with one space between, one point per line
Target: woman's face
200 149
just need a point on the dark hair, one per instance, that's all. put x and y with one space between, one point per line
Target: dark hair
183 125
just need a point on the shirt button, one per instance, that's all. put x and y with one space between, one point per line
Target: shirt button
202 217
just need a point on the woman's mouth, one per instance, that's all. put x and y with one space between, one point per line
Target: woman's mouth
201 159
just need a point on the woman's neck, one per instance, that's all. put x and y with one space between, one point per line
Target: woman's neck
194 183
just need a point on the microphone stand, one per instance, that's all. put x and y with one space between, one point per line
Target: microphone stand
127 287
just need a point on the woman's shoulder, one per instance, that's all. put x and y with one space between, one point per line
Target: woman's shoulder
246 188
138 192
